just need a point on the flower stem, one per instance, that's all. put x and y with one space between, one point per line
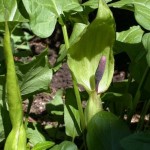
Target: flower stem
137 95
77 94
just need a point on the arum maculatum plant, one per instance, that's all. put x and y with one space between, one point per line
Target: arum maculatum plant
16 139
91 60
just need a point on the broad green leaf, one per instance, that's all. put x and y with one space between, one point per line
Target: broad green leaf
56 107
118 87
137 70
66 145
136 141
139 62
12 25
34 135
105 131
93 3
96 41
35 76
20 39
118 103
42 19
71 115
135 50
78 17
43 145
131 36
9 11
146 43
9 8
129 41
141 10
76 33
122 87
55 132
44 14
20 43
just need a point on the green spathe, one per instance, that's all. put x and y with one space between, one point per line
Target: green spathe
96 41
16 139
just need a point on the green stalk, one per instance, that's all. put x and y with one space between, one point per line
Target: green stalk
28 111
142 80
79 102
65 35
77 94
137 95
94 105
142 116
129 83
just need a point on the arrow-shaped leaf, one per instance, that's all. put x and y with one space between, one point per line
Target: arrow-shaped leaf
9 9
44 14
141 10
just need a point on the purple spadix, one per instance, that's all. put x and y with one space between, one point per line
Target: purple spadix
100 71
